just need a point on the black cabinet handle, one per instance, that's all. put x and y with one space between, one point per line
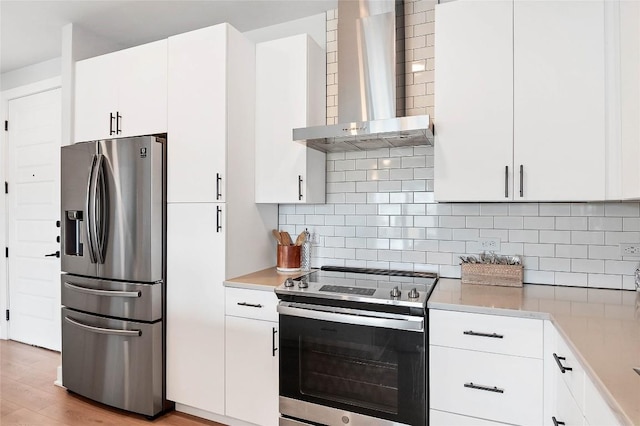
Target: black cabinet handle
521 181
218 181
118 118
273 341
111 117
299 187
562 368
556 422
251 305
484 388
218 219
56 254
475 333
506 181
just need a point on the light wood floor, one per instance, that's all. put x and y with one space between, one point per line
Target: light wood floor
29 397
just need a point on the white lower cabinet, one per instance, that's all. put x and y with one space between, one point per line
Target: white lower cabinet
251 356
485 369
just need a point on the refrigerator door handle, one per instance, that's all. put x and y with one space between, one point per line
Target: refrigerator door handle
100 330
96 292
89 208
101 210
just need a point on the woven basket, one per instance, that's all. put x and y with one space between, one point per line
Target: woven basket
490 274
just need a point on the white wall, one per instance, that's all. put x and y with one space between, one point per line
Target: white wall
30 74
314 25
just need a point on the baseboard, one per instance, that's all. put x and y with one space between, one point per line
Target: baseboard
211 416
58 381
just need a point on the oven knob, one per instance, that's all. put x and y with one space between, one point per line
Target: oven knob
288 282
413 293
303 284
395 292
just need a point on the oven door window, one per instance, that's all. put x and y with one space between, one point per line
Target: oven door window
369 370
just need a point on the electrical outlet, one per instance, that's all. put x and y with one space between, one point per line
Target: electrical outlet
489 244
629 249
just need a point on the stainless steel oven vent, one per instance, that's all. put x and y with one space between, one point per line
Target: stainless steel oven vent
371 83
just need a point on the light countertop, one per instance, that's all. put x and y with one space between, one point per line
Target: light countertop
603 326
265 280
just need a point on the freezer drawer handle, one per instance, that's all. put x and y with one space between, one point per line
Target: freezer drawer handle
101 330
110 293
484 388
475 333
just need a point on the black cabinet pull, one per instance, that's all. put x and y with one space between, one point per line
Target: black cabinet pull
218 219
560 366
506 181
299 187
521 181
556 422
475 333
251 305
484 388
218 181
273 341
56 254
111 117
118 118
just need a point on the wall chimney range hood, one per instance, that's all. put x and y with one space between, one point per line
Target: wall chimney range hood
371 83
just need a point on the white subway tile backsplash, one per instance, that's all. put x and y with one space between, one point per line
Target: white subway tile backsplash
560 237
380 209
508 222
571 223
605 224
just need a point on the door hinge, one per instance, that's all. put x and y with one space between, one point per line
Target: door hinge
7 314
6 187
6 125
6 252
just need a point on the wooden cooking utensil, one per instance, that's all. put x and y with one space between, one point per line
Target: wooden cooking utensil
277 236
300 239
285 238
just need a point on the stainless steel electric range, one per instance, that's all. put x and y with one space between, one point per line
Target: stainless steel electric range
353 347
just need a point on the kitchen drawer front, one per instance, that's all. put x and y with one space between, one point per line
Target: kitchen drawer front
443 418
486 333
566 408
256 304
469 383
573 376
597 411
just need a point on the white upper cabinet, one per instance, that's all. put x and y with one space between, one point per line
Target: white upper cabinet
290 93
198 124
520 101
559 100
474 101
122 94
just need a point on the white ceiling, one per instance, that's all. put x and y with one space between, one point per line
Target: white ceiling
30 30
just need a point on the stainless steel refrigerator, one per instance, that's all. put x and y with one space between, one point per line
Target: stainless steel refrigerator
113 264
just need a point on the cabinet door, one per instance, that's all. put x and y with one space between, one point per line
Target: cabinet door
559 118
286 98
252 370
195 306
96 96
197 116
474 101
142 89
566 409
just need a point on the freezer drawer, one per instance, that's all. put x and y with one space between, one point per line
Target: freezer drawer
134 301
115 362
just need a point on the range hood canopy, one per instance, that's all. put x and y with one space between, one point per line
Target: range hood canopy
371 84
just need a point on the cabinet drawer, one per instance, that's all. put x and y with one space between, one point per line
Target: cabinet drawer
597 411
256 304
495 387
486 333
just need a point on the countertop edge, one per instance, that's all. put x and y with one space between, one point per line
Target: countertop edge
593 376
249 286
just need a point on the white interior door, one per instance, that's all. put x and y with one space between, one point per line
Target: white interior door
34 140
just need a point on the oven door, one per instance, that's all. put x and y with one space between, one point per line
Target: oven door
342 365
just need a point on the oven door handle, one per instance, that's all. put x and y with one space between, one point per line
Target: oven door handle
355 317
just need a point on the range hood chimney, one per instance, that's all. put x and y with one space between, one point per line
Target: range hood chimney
371 84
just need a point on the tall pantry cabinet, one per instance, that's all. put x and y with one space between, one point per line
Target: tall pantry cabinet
214 228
